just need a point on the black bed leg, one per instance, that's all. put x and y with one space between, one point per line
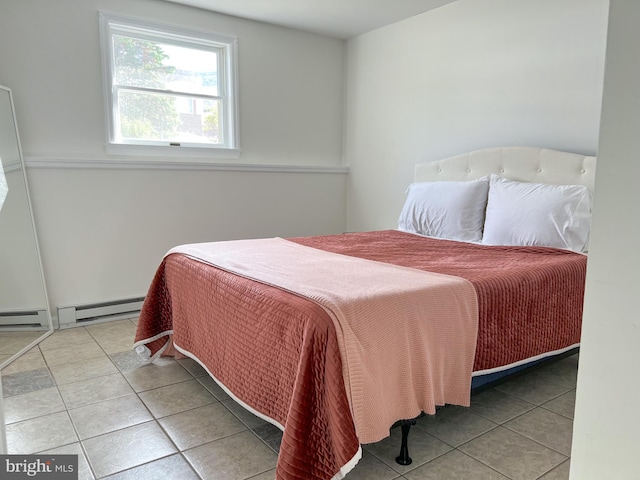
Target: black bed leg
404 458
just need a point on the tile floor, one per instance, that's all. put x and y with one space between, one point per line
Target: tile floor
83 391
12 342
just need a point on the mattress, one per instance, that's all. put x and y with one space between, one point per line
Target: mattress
529 303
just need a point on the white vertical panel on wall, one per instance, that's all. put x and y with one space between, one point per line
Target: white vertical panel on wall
468 75
606 437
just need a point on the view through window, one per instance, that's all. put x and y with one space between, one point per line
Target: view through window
168 87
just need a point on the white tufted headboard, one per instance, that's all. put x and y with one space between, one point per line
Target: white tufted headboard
525 164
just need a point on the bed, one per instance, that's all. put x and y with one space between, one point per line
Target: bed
336 338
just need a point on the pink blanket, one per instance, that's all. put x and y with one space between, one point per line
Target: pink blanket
376 308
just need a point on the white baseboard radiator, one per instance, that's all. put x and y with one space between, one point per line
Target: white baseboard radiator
24 319
88 314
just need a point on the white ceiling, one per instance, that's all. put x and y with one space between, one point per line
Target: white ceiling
336 18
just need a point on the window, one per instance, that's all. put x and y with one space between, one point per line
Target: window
168 90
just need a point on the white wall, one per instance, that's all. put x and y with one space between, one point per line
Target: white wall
606 437
468 75
103 231
291 83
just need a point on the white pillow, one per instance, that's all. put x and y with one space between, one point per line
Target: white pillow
520 213
451 210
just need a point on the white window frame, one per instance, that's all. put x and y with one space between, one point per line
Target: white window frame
225 46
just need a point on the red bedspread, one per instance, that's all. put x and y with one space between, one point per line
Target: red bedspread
278 352
529 298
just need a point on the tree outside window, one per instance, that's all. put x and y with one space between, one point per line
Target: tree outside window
167 87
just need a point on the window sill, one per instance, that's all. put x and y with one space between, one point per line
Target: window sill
172 152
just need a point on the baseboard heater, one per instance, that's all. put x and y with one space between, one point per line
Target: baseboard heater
87 314
24 319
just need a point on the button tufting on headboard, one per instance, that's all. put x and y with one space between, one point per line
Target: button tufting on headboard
526 164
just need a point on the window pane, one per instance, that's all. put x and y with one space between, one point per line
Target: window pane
169 118
211 121
148 64
168 86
